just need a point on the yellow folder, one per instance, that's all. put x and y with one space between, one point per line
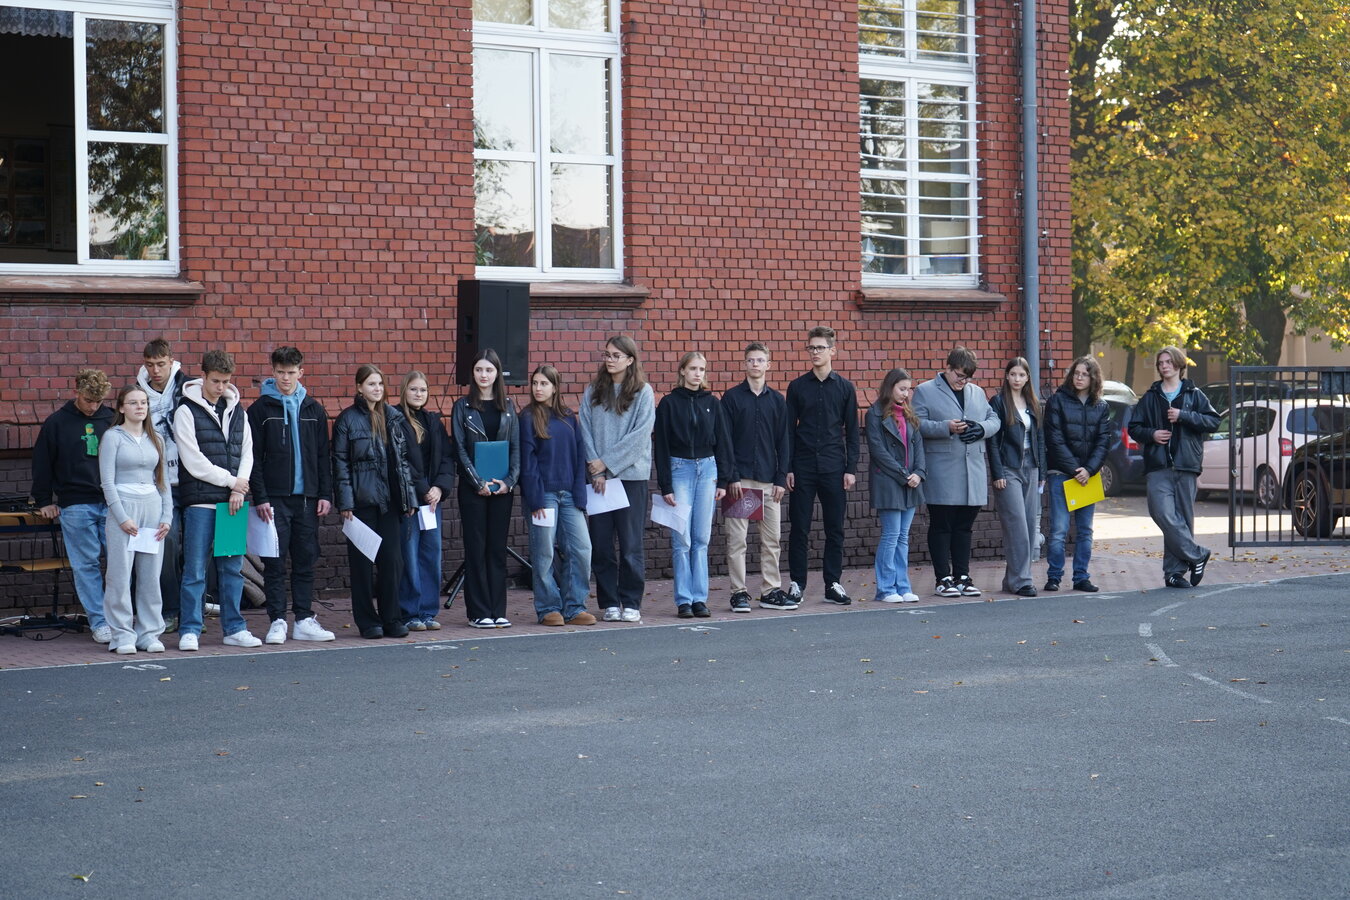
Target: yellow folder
1077 496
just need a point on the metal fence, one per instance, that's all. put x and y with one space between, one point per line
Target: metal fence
1282 454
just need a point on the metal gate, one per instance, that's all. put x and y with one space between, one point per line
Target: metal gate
1282 454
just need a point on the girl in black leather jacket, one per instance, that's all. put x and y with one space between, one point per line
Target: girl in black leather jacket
375 477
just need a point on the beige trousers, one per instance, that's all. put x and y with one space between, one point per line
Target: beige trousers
770 528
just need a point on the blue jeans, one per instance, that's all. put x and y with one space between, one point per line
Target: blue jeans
892 566
695 484
1059 532
82 531
419 587
199 532
571 534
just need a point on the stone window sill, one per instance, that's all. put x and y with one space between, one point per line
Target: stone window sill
927 298
586 295
99 290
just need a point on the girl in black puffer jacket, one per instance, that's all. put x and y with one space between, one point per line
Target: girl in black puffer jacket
1077 438
375 475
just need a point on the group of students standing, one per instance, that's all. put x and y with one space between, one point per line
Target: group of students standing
155 469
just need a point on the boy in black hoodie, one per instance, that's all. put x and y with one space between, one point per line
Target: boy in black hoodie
65 464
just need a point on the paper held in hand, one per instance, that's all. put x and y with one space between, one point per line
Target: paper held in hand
1079 496
362 536
262 537
428 519
144 541
676 517
614 497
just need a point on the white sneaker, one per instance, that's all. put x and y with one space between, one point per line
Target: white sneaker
126 650
630 615
502 623
102 634
187 642
892 598
276 632
241 639
310 630
612 614
153 647
910 598
210 609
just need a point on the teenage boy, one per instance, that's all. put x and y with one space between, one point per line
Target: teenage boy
1170 423
762 446
215 455
66 486
292 484
162 378
823 418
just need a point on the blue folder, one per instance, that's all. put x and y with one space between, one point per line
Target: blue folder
492 459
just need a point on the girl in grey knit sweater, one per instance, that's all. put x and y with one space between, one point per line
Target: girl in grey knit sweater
131 469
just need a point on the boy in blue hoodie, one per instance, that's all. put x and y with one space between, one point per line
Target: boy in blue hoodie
292 486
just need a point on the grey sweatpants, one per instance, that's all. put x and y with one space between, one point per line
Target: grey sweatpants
1171 503
147 623
1019 512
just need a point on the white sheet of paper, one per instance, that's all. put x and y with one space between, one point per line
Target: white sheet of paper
548 521
676 517
362 536
262 536
144 542
428 519
614 497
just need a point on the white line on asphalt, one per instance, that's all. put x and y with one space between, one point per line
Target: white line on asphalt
1222 590
1226 687
1337 719
1160 656
1146 629
1159 612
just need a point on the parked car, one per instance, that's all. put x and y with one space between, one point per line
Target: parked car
1318 489
1120 392
1321 388
1124 464
1265 434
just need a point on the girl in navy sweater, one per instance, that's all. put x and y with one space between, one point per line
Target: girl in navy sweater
553 480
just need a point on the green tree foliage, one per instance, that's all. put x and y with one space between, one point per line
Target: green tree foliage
1211 171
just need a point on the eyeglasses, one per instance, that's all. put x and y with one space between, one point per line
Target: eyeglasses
960 376
613 357
813 349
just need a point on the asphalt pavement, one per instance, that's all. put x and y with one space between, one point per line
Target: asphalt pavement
1127 745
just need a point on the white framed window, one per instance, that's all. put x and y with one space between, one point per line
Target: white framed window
88 137
547 186
917 156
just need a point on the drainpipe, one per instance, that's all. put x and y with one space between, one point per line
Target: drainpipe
1031 220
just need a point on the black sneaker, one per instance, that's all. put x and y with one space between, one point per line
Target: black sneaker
1085 586
835 594
966 587
1052 584
685 611
794 593
740 602
701 611
1178 581
1025 590
776 599
947 588
1198 570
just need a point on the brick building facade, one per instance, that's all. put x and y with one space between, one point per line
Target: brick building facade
325 197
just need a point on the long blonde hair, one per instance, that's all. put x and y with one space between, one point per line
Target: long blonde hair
119 418
419 430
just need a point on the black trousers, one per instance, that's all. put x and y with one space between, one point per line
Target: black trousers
297 521
620 580
829 487
375 585
949 539
487 521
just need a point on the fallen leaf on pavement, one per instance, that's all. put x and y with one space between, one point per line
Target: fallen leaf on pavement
242 687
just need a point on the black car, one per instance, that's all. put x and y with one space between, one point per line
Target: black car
1124 464
1318 482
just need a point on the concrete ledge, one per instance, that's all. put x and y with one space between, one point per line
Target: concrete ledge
99 290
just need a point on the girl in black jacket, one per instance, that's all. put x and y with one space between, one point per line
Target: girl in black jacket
1077 439
420 587
376 477
1017 462
694 465
485 414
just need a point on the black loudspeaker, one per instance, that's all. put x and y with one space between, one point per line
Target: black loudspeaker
494 314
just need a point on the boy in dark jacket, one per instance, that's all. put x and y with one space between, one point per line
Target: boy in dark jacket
1170 423
66 486
292 486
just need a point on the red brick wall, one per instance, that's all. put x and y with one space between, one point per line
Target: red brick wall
327 201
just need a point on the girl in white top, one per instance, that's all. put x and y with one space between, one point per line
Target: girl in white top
131 469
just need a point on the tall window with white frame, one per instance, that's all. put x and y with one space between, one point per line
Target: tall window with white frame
917 142
546 132
88 149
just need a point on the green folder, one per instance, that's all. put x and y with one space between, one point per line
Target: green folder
231 531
